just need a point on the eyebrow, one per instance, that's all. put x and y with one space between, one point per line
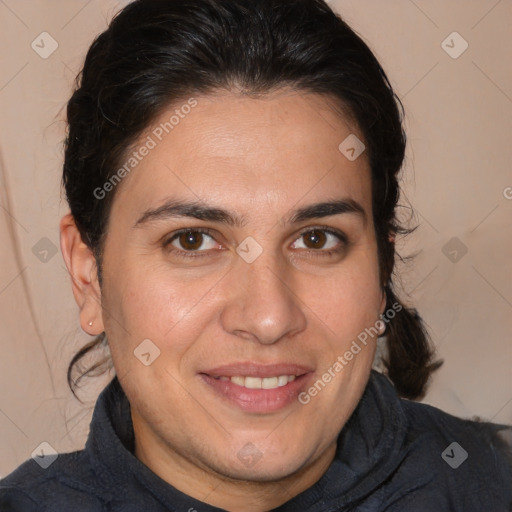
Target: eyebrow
198 210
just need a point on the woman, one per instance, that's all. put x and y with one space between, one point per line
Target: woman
231 170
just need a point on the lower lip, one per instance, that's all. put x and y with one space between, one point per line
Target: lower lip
258 400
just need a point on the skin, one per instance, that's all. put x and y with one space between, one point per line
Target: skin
261 159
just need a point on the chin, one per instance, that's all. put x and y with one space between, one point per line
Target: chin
262 473
252 465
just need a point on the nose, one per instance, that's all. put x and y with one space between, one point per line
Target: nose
262 304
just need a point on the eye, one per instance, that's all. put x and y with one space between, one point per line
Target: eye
322 240
191 240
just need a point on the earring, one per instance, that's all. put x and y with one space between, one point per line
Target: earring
90 324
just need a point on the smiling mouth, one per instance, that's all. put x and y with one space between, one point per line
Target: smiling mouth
258 388
258 394
250 382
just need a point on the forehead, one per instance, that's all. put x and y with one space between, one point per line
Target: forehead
230 149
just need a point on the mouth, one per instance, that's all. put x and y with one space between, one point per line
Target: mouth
258 388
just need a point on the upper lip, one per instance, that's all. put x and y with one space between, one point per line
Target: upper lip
258 370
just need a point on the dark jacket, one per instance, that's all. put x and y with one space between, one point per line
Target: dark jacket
393 455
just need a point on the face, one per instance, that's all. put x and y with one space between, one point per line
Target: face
240 265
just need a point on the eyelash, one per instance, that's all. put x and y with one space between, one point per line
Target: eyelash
205 231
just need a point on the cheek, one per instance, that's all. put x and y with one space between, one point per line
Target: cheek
149 303
350 300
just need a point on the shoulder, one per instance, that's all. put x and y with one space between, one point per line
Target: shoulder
443 462
467 460
32 488
481 438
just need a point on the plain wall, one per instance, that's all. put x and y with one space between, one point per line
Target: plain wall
457 177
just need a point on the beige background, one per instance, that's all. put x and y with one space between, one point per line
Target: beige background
458 178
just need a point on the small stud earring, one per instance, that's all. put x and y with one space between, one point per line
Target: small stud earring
90 323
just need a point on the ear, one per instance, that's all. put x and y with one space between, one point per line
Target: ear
383 302
81 266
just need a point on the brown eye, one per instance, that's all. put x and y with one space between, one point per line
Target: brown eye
315 239
323 241
192 241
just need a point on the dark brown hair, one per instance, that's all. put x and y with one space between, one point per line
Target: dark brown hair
156 52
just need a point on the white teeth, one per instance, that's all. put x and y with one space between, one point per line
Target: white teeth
261 383
253 382
239 381
282 380
269 383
